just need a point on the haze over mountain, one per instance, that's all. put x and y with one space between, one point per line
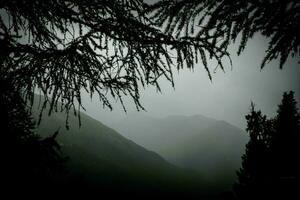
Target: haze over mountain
102 160
212 147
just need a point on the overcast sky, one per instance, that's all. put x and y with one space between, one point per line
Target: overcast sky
227 97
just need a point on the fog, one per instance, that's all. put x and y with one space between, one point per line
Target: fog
227 97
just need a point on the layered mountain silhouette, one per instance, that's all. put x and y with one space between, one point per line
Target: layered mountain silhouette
103 161
212 147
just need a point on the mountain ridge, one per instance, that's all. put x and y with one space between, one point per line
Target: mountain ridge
193 142
102 158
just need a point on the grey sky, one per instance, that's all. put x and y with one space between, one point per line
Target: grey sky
227 97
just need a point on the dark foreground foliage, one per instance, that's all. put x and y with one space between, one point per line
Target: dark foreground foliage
270 167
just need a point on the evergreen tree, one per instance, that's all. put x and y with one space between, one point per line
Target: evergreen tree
109 48
27 161
270 165
225 21
285 145
112 47
254 175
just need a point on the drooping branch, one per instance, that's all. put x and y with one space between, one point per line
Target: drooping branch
104 47
225 21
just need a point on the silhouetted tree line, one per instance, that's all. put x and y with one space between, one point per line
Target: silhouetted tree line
111 48
271 164
27 160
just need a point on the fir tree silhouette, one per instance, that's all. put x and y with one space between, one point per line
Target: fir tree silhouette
27 160
270 165
114 47
285 146
253 176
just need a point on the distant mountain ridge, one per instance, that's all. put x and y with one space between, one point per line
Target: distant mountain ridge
103 160
153 133
212 147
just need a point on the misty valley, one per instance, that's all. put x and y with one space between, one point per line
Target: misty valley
150 99
178 156
175 156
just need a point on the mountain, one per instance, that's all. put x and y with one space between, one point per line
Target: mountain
212 147
103 161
